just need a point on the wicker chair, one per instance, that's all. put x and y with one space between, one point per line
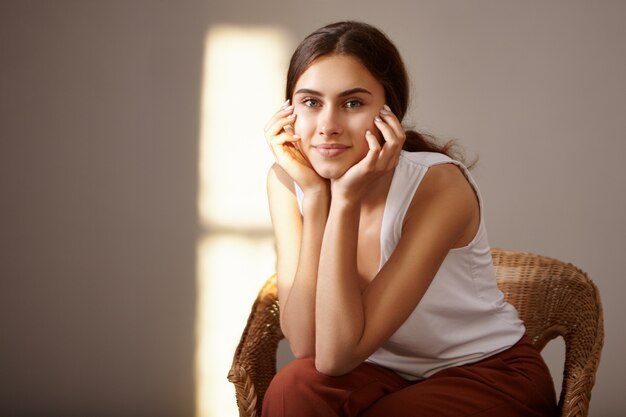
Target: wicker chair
553 298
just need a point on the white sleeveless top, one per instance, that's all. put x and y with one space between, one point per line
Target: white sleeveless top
463 317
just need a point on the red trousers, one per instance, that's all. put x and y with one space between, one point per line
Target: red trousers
514 383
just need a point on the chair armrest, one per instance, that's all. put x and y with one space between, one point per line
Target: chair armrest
254 363
584 344
554 299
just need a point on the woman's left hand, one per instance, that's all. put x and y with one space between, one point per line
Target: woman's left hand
378 161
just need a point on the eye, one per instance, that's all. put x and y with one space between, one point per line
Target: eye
310 102
353 104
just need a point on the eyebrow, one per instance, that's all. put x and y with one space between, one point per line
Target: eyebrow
349 92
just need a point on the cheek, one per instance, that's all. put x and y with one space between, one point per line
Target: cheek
363 123
303 125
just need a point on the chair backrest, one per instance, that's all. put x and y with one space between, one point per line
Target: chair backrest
555 299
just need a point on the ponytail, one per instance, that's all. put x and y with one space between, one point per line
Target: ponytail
421 142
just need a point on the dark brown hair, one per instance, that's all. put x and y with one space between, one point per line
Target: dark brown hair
380 56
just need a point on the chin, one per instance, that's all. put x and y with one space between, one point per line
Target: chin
330 173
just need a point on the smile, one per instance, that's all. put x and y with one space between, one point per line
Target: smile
331 150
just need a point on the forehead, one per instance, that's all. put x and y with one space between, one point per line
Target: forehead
336 73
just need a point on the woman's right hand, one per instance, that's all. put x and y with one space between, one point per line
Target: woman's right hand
282 140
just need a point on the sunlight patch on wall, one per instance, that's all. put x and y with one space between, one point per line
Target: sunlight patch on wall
233 269
243 85
245 71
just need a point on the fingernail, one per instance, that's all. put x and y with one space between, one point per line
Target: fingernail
386 107
288 127
285 104
368 132
384 112
288 108
291 116
378 119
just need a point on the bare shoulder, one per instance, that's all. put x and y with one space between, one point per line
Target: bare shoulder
443 177
445 181
446 196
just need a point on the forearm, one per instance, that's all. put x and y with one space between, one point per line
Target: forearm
339 307
298 311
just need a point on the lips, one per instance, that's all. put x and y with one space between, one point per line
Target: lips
330 150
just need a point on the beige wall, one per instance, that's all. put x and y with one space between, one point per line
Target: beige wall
98 172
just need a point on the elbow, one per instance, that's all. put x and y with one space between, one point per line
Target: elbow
301 347
331 367
301 353
301 350
334 360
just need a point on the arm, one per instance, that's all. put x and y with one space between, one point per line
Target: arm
351 325
298 241
298 237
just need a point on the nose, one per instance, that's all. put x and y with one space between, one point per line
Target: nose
330 123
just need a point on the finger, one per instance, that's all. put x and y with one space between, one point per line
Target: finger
389 134
288 155
387 115
368 162
392 119
374 148
372 141
277 121
391 148
289 129
284 138
282 127
282 147
284 110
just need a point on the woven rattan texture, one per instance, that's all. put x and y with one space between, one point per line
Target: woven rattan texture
553 298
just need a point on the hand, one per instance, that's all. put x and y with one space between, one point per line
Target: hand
378 161
280 136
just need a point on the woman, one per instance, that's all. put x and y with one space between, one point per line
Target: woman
387 292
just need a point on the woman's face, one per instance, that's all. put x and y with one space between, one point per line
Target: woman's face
336 100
